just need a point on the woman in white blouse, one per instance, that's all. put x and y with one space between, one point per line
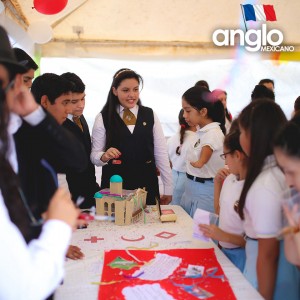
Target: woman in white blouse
127 140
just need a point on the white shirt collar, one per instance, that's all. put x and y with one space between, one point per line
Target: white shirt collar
269 162
134 110
14 123
209 126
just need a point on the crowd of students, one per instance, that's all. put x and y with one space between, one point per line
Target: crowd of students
237 168
261 151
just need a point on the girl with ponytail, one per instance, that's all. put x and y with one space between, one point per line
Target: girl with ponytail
177 148
203 158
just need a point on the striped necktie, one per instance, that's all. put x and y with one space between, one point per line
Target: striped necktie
129 117
77 122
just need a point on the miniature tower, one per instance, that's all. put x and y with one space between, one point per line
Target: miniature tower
116 185
98 196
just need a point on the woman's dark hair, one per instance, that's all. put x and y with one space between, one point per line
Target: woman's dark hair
288 138
232 139
216 93
228 115
109 110
9 183
297 104
262 120
199 97
183 127
202 83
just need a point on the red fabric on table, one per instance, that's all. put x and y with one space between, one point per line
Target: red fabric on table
205 257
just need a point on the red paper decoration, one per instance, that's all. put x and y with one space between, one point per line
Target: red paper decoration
49 7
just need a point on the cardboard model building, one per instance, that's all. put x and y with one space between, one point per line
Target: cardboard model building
125 205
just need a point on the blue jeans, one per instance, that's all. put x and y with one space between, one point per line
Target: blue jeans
237 256
287 284
198 195
179 179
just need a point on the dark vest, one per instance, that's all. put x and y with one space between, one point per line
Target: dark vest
82 183
137 166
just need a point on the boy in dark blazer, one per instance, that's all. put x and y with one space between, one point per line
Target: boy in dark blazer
80 183
46 148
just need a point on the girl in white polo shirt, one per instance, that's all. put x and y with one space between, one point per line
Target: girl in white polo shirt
177 148
260 205
203 156
287 152
230 232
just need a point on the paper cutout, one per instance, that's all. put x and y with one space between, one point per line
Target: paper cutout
122 263
213 284
93 239
199 292
200 217
165 235
146 291
161 267
194 271
132 240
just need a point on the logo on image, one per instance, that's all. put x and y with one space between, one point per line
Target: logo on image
254 39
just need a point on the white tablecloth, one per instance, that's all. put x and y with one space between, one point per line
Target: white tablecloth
82 275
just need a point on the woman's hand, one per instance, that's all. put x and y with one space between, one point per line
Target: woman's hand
221 176
211 231
110 153
292 215
165 199
74 252
62 208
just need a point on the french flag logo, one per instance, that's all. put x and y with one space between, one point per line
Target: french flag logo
259 12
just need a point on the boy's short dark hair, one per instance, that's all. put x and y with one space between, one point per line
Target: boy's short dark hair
24 59
78 85
266 80
51 85
260 91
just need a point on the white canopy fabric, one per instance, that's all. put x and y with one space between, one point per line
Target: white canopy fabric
168 42
174 28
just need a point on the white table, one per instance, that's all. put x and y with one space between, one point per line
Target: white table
100 236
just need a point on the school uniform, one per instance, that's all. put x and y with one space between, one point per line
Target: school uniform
230 221
82 183
227 125
39 138
264 219
179 163
143 148
199 188
42 259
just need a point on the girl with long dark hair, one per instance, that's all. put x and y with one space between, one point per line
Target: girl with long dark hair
177 149
260 206
203 158
127 140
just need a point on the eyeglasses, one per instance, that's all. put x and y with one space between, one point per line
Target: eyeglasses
223 156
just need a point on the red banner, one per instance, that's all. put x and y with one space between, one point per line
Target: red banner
211 284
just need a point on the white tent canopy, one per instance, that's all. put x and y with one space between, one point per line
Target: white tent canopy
168 42
93 28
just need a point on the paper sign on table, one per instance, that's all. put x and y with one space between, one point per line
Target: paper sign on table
200 217
205 279
146 291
